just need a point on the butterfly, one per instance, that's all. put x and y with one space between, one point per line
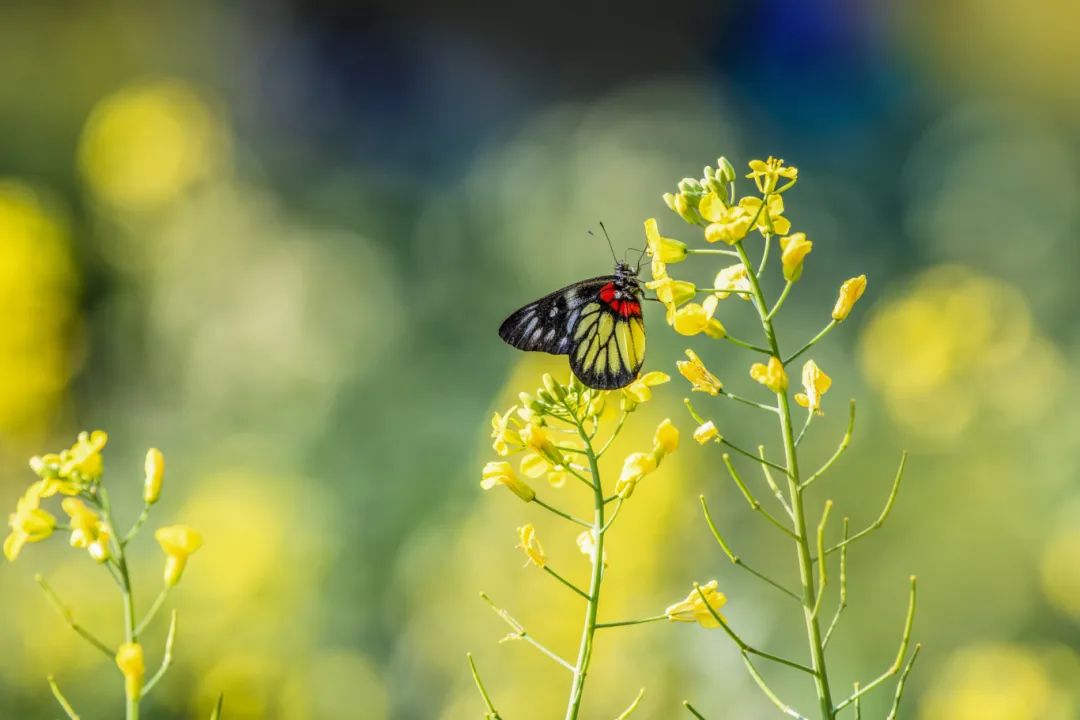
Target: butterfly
597 322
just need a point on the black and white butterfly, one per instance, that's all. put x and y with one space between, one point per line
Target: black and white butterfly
597 322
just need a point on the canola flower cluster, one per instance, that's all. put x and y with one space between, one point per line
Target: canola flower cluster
559 433
75 474
712 204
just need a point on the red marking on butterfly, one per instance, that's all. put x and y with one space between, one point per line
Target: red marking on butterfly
625 308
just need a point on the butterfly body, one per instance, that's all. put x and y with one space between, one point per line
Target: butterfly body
597 322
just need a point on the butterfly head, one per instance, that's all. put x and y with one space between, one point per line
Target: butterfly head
625 271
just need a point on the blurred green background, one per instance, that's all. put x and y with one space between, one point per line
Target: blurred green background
276 241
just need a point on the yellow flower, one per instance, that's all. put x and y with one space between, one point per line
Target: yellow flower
706 432
99 548
535 438
672 293
694 609
534 466
502 473
178 542
29 523
697 318
771 376
640 390
636 466
816 383
732 278
765 174
155 474
770 220
83 461
699 376
666 439
84 522
794 249
850 292
505 436
534 553
663 250
129 658
727 224
586 542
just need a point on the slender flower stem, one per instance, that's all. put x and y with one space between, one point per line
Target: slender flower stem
752 501
639 621
772 483
780 704
843 589
844 442
492 713
521 634
63 701
747 345
633 706
614 433
744 646
65 613
745 401
566 582
889 502
711 251
152 612
692 710
735 559
780 301
802 543
813 341
166 660
581 668
900 684
560 513
137 525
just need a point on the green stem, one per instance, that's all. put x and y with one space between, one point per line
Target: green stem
492 713
802 542
565 582
744 344
560 513
581 668
131 705
813 341
63 701
693 710
639 621
780 301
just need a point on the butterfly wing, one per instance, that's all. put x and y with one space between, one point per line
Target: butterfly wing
604 337
548 324
608 344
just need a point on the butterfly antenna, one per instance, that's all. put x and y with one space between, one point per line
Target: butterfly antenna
610 246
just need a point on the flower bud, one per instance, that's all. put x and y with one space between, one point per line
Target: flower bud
725 172
850 292
553 387
129 658
155 474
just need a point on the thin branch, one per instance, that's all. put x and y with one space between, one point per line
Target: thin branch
764 255
521 634
772 483
844 443
780 704
216 714
640 621
806 426
614 433
63 701
633 706
813 341
693 710
149 617
858 702
843 590
743 645
711 251
900 684
560 513
745 401
63 611
492 713
166 660
735 559
746 345
895 667
780 301
884 512
137 525
753 501
566 582
699 420
823 574
614 514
